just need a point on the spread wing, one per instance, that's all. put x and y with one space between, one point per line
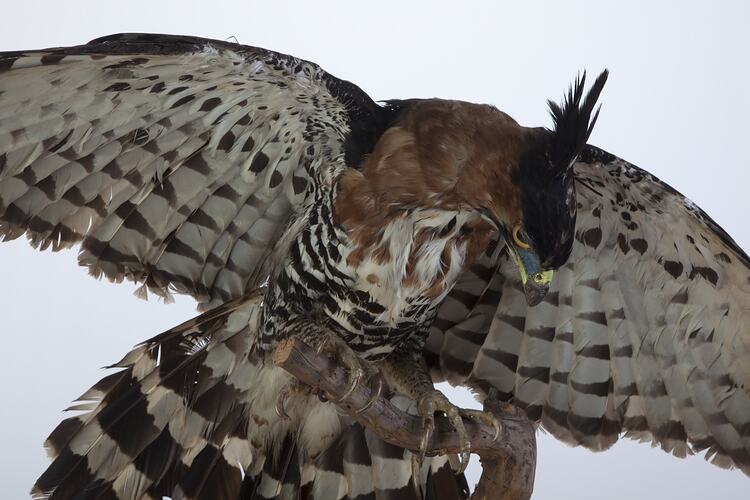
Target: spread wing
645 331
176 161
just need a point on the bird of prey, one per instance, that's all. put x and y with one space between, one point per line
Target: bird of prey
426 240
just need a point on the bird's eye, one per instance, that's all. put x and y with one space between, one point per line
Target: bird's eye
519 238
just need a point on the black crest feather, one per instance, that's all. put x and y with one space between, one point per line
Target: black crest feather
545 175
573 121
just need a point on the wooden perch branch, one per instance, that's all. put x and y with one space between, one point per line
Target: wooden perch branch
508 462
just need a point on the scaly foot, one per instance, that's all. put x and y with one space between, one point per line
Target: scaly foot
342 353
358 368
435 401
321 338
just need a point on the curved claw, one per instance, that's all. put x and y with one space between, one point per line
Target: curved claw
358 374
372 399
455 418
428 426
464 461
347 357
323 344
432 401
426 408
416 465
486 418
498 428
280 400
427 405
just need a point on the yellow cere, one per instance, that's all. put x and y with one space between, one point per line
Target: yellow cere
543 277
540 278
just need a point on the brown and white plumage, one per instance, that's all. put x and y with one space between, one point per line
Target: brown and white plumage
194 165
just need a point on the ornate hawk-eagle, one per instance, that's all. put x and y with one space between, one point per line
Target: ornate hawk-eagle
426 239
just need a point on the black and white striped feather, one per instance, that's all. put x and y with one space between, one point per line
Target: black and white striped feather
181 162
175 161
172 421
189 414
645 330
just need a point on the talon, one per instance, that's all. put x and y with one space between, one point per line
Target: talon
464 457
428 425
280 400
372 399
416 465
498 429
458 424
433 401
323 344
358 375
426 408
348 359
487 419
464 461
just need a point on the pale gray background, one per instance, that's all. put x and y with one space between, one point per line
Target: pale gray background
676 103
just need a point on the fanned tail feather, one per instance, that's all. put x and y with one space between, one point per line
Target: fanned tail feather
171 422
190 415
359 465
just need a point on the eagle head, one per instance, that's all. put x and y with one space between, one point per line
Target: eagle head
542 239
522 181
453 155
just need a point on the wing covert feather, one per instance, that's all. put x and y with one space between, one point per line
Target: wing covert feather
645 331
176 161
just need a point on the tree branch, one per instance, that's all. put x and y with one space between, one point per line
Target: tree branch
508 462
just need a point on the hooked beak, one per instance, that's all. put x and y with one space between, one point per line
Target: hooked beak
535 292
535 280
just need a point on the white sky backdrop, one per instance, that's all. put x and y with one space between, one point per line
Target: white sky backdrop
676 104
